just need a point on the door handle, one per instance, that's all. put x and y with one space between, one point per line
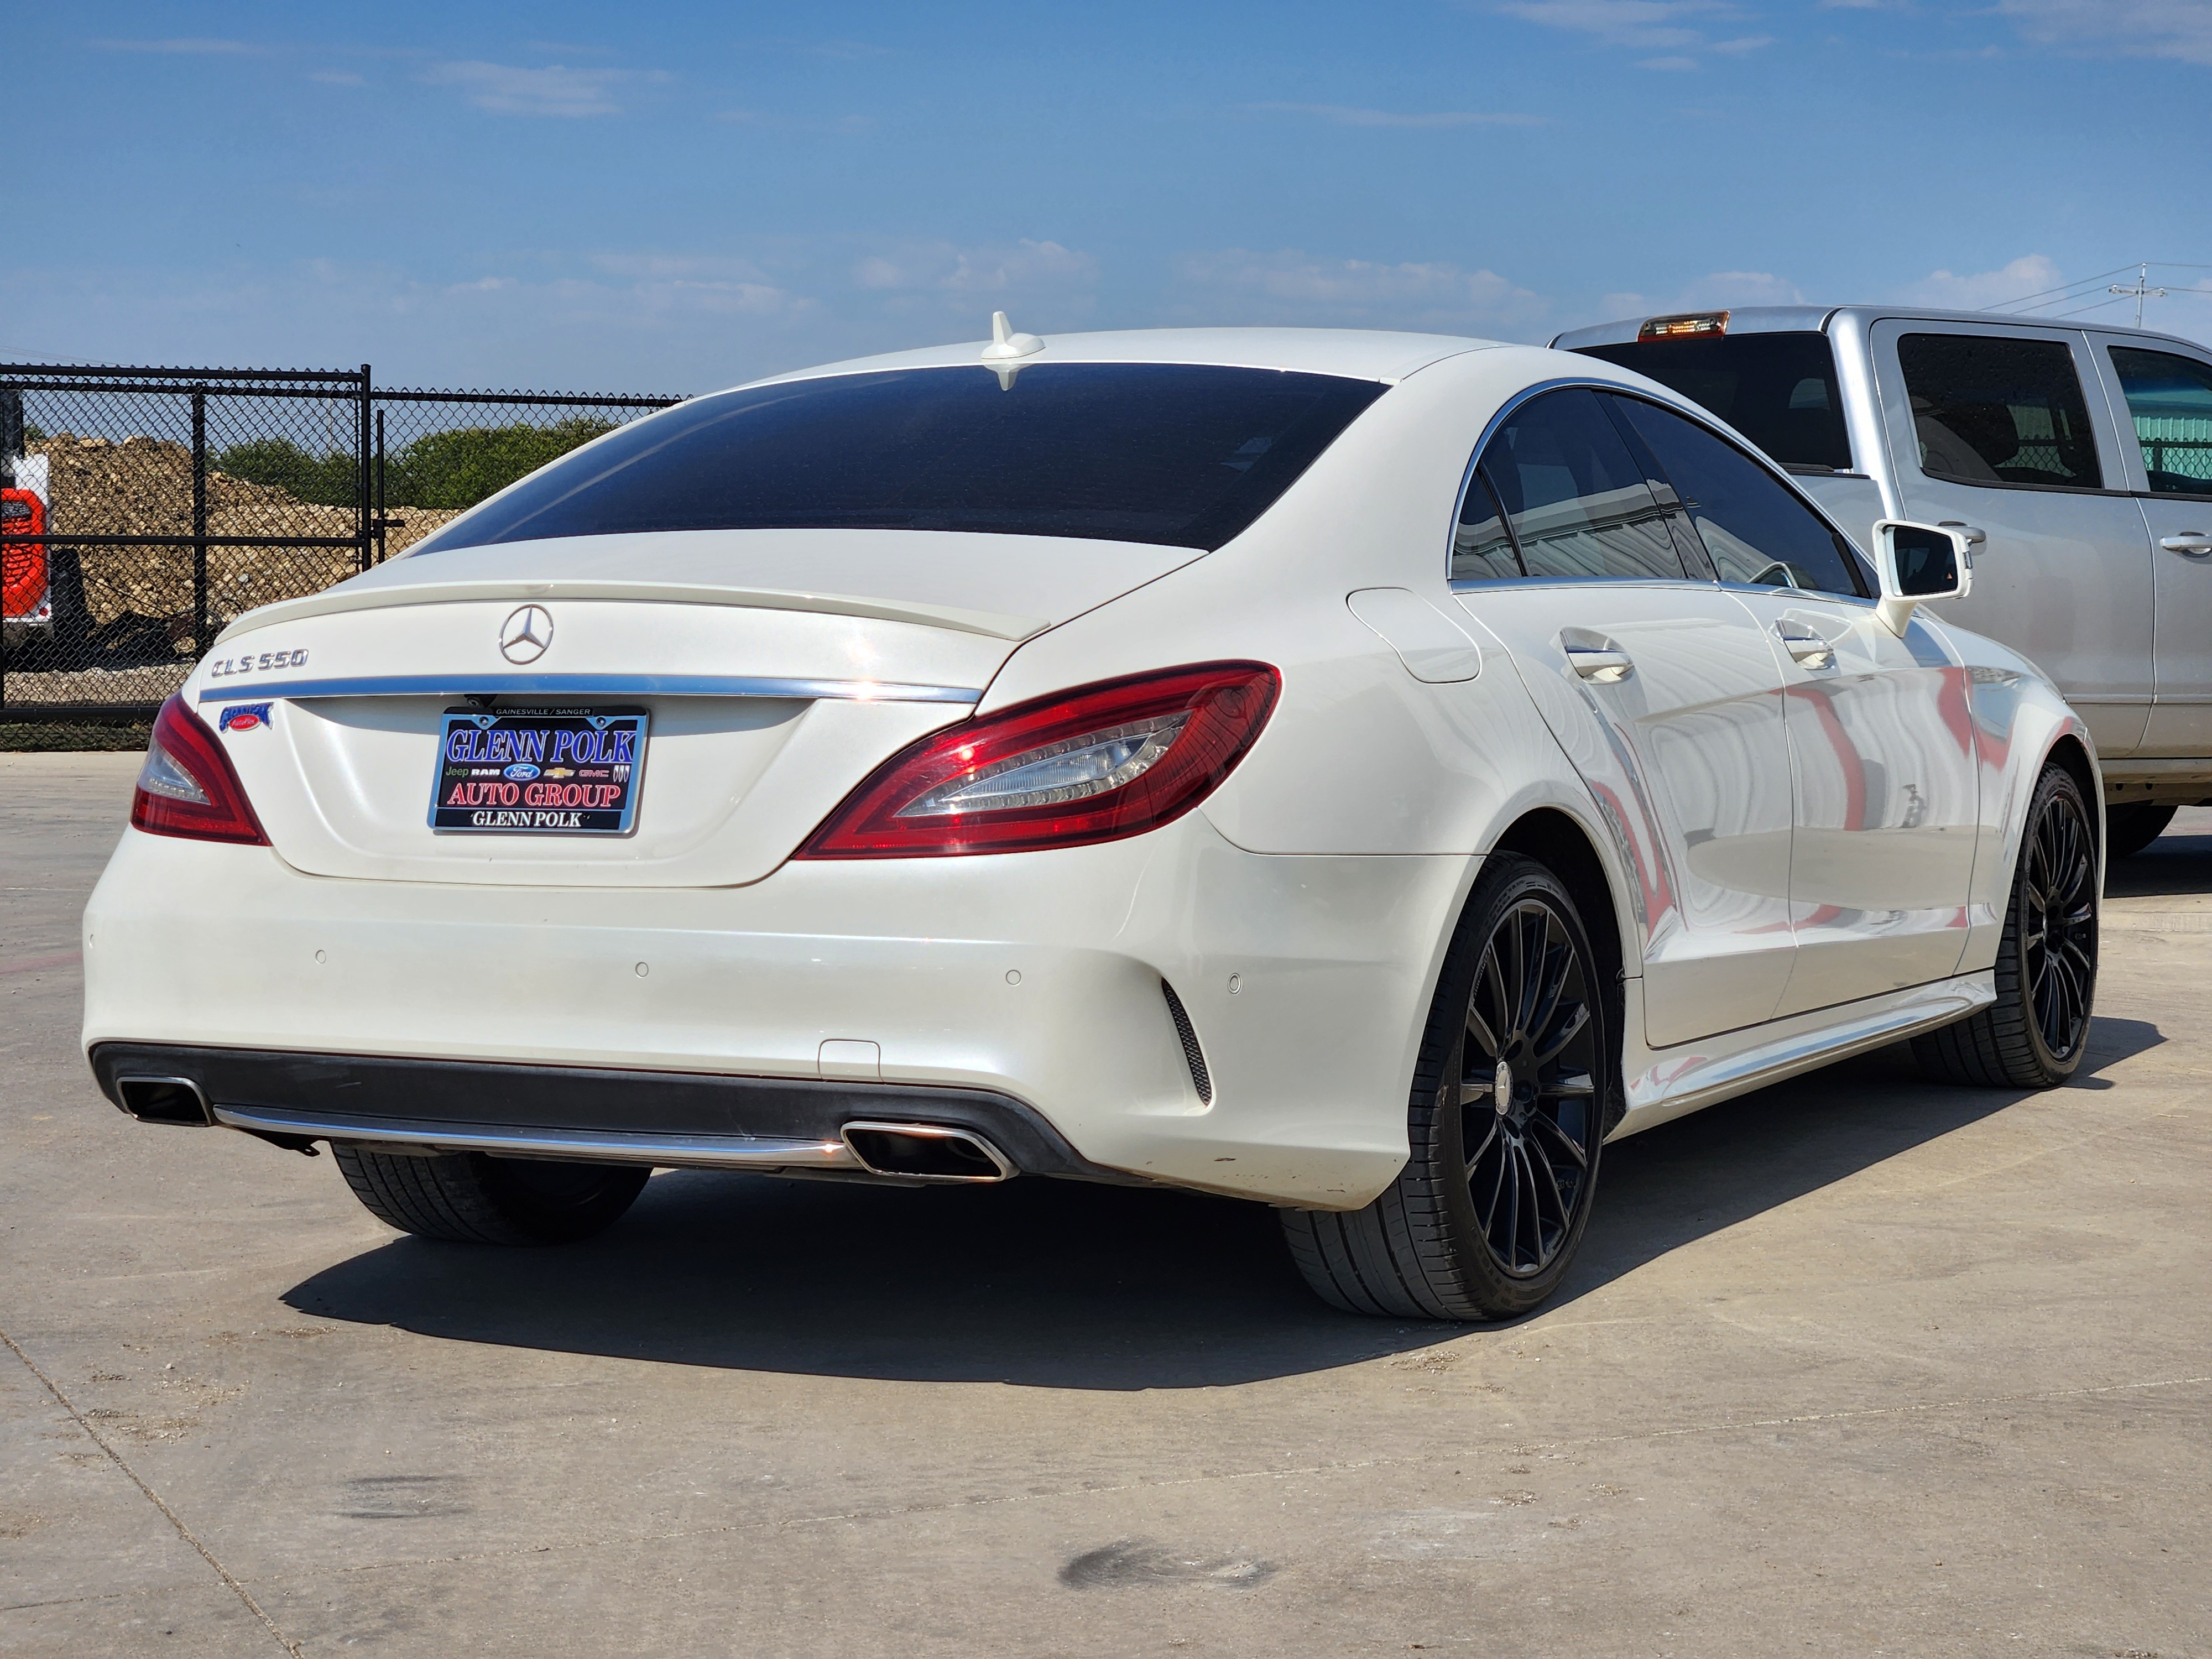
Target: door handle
1974 537
2194 544
1603 666
1806 648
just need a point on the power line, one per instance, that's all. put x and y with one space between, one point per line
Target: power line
2115 271
2039 303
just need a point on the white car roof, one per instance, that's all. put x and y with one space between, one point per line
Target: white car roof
1356 354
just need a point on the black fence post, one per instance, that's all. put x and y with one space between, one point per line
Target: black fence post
379 487
199 522
367 512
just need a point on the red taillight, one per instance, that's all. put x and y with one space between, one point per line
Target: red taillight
23 557
1091 765
188 785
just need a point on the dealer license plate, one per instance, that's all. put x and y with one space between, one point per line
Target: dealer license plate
540 771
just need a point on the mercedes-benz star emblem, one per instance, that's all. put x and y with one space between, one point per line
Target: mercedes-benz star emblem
523 636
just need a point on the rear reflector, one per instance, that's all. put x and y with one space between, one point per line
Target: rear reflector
1688 325
188 787
1095 765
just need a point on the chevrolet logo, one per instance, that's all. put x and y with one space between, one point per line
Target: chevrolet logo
525 635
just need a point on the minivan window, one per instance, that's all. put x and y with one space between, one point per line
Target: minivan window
1575 497
1779 390
1754 529
2170 400
1991 411
1183 455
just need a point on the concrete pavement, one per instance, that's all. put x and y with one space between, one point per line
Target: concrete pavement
1858 1365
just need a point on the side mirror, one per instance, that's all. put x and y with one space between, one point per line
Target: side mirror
1919 562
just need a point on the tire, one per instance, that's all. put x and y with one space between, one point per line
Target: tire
469 1198
2032 1036
1448 1240
2129 830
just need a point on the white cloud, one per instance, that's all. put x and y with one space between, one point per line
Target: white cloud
1670 28
2032 273
1647 25
942 268
1345 115
512 89
2147 28
1708 292
1293 287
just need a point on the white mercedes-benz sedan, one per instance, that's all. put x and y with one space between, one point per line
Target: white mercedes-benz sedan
1360 773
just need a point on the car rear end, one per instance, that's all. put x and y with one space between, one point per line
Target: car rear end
706 846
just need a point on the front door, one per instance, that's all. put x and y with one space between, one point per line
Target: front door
1884 787
2168 397
1662 690
1990 426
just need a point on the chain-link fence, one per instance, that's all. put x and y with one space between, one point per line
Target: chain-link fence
146 508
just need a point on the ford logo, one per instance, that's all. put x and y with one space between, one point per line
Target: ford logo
521 772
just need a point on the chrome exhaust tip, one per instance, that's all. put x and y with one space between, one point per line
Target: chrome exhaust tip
926 1151
165 1100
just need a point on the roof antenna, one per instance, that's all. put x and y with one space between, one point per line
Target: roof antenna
1006 347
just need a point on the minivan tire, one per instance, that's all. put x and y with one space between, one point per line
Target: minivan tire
2033 1034
1446 1240
469 1198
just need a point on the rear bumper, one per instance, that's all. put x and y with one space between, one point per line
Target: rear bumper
826 992
674 1120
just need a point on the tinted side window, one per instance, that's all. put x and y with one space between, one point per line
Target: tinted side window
1576 498
1779 390
1482 548
1990 410
2170 400
1754 529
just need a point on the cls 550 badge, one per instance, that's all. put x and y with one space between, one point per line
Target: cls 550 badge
253 663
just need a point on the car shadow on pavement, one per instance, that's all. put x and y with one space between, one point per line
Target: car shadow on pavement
2178 862
1048 1284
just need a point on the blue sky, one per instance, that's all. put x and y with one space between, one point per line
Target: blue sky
677 197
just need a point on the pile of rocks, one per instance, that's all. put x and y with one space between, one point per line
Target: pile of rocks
142 486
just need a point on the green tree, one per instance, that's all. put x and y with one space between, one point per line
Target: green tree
460 467
330 479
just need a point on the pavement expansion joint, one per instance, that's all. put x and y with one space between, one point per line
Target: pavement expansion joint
153 1498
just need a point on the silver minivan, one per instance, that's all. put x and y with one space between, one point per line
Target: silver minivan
2079 459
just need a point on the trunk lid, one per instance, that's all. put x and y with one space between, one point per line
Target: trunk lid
777 668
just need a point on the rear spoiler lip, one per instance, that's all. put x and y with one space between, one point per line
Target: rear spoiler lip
344 598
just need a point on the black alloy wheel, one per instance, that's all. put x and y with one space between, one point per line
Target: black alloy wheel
1513 1092
2058 923
1528 1093
2033 1034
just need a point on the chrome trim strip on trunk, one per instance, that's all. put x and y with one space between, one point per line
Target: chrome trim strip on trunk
588 1146
589 686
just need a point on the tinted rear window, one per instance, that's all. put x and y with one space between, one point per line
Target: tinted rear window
1182 455
1779 390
